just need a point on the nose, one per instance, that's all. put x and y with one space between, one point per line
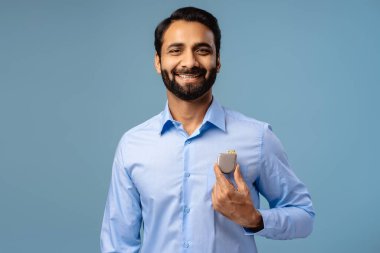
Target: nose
188 60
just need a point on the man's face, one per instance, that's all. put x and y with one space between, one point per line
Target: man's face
188 63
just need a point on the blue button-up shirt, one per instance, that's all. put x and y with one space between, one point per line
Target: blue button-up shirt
163 178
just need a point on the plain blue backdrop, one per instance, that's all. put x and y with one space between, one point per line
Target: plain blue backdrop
75 75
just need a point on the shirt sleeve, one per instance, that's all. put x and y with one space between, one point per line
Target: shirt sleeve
121 224
291 214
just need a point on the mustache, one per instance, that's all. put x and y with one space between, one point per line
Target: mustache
189 71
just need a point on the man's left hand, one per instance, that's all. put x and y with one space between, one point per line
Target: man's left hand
235 204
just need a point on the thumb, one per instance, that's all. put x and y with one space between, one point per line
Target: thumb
240 183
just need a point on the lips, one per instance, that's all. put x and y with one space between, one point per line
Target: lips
188 76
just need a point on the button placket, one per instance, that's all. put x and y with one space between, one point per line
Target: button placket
186 194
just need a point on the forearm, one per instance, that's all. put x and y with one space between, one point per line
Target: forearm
120 232
122 218
286 223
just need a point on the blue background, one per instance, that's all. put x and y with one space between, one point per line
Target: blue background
75 75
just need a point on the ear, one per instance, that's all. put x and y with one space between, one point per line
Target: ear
157 63
218 64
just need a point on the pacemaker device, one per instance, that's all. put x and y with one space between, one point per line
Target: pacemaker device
227 161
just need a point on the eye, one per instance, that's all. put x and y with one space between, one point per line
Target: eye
174 51
203 51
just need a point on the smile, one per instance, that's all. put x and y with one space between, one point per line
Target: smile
187 76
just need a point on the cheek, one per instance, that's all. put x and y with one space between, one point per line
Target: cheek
210 68
166 69
168 63
209 63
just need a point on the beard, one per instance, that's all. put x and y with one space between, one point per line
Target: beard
189 91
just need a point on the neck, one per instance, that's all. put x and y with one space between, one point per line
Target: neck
189 113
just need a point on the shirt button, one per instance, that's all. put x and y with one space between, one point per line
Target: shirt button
188 142
186 245
187 174
187 210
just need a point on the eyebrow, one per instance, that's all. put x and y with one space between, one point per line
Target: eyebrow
197 45
176 45
202 44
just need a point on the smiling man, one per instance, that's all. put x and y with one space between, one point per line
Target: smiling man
188 60
164 174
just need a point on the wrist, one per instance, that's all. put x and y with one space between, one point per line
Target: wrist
257 223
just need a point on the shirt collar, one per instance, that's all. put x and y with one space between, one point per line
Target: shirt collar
215 115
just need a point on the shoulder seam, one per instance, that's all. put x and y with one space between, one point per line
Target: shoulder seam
143 125
242 117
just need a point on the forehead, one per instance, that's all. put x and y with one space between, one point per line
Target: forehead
187 33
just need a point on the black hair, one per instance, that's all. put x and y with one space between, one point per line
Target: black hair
190 14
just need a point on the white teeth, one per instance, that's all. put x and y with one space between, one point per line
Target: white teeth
188 76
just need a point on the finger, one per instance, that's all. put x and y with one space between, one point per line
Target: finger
240 183
218 174
214 198
221 179
215 189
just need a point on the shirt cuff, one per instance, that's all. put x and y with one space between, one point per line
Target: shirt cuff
268 221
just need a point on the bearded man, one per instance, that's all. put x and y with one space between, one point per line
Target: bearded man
165 176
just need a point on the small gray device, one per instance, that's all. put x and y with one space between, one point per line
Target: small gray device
227 161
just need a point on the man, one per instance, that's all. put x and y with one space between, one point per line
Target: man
164 174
